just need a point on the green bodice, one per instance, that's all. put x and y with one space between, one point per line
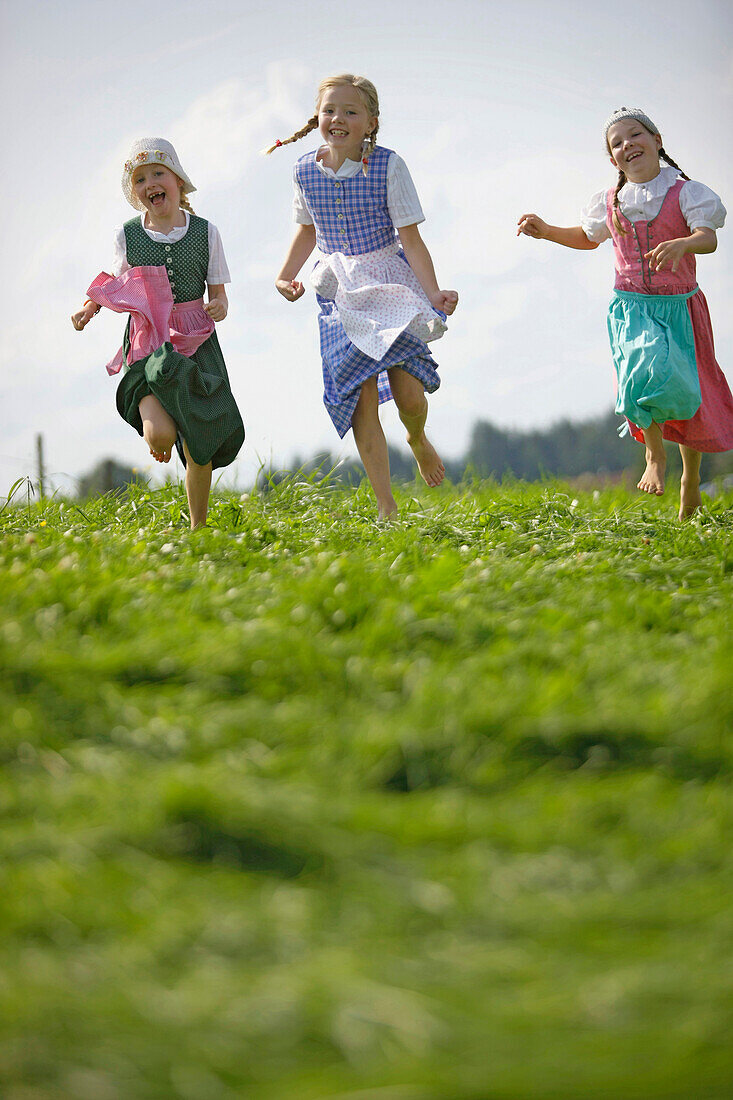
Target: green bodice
186 261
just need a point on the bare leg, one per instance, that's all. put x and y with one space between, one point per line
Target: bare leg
652 480
690 499
159 428
372 447
412 404
198 484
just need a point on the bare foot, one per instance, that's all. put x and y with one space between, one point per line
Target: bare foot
652 480
161 456
428 461
387 512
690 499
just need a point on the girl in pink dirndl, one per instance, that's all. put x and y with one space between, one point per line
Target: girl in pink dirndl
174 389
669 383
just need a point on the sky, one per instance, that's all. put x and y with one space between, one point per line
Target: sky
497 109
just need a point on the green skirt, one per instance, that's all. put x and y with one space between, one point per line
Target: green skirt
195 392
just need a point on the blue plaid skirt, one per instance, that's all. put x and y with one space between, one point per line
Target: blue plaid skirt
345 367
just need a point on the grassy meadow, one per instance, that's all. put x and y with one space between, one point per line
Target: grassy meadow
300 807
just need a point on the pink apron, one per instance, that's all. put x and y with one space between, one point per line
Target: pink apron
145 293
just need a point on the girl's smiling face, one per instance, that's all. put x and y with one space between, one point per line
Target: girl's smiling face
634 150
157 188
344 122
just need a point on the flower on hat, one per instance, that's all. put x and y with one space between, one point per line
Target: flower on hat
142 156
161 155
128 165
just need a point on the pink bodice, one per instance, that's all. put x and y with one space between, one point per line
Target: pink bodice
633 272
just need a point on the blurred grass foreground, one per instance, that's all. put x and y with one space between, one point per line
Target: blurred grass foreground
301 807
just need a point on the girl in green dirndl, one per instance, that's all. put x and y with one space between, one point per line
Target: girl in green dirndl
175 389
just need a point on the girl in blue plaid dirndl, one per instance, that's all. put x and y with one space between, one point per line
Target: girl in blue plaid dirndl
380 303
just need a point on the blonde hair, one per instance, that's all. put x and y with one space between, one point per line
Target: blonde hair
622 177
344 80
184 203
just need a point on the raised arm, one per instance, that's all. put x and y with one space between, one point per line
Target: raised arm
421 262
301 246
572 236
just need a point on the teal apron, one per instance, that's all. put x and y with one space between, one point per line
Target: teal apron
653 350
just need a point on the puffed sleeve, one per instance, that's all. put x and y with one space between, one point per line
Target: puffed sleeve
701 207
593 219
217 271
301 213
402 201
119 252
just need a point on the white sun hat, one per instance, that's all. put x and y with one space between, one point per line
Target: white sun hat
152 151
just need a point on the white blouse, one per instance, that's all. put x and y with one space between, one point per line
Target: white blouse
402 201
217 271
700 206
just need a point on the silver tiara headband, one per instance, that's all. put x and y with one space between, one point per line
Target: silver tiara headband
627 112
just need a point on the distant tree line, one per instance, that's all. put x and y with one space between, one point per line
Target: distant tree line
588 449
106 477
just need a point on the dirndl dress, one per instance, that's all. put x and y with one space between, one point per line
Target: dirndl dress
662 339
170 348
374 314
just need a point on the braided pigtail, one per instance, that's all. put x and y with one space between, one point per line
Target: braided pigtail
619 185
665 156
311 124
370 143
185 204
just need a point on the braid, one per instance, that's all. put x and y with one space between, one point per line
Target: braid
672 164
619 185
185 204
311 124
370 147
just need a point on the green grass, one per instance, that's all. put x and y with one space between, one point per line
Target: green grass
301 807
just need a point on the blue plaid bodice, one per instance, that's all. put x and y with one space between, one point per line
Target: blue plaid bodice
351 214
